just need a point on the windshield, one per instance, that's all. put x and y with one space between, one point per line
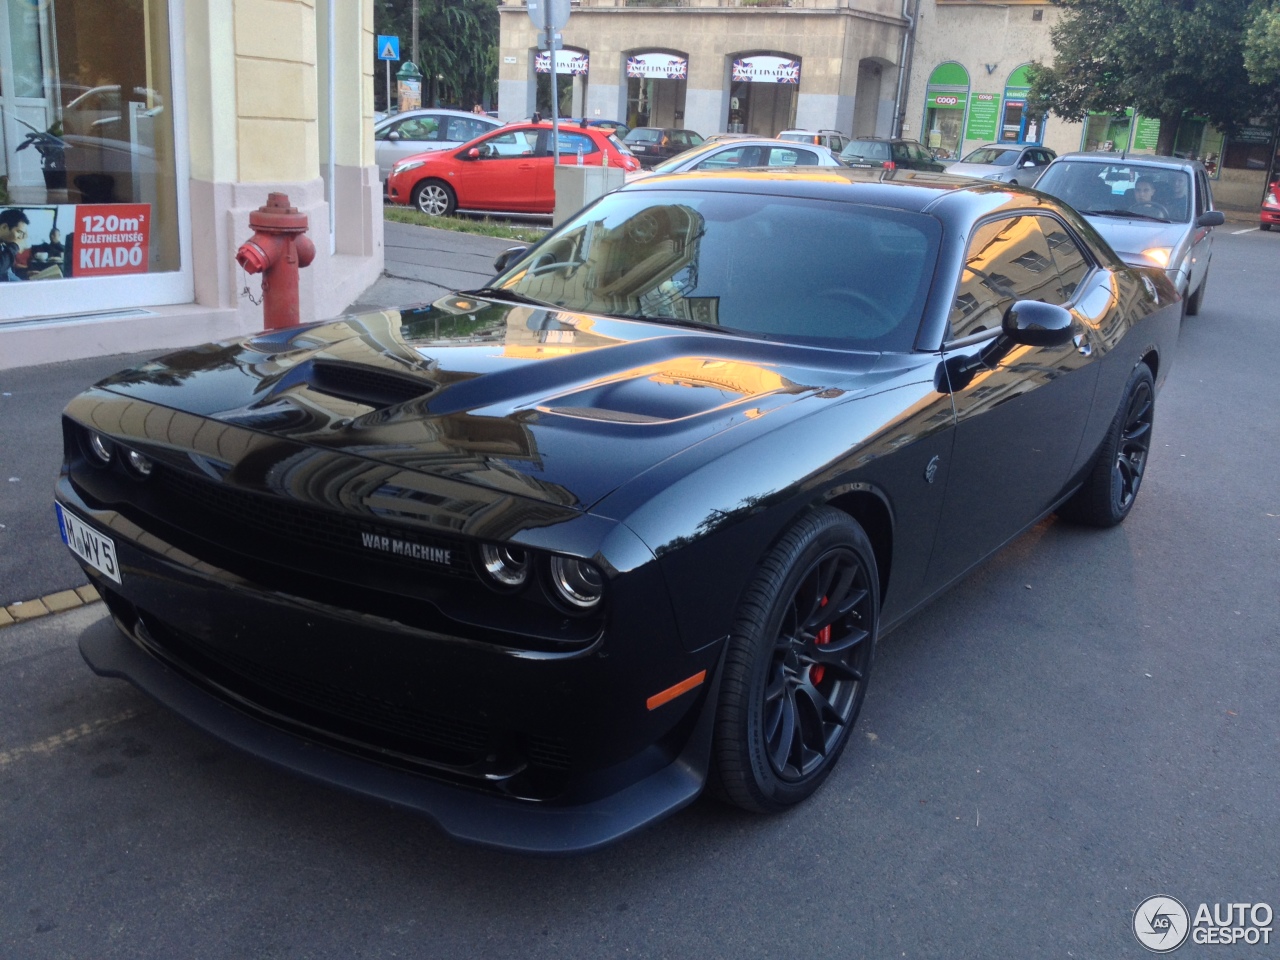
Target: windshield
1136 190
775 267
991 155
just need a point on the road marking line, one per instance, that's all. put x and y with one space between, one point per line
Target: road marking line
51 744
1236 233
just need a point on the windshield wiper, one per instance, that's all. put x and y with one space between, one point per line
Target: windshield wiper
496 292
1129 214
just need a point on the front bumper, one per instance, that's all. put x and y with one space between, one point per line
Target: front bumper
533 751
1269 215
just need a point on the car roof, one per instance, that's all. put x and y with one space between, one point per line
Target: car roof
907 190
1132 159
439 111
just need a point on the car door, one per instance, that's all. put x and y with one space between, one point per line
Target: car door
405 137
1202 237
1021 411
503 175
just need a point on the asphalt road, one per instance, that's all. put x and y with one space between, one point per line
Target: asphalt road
1090 719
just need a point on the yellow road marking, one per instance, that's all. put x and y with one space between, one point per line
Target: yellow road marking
50 744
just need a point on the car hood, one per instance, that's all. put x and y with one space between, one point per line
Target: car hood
1129 237
555 406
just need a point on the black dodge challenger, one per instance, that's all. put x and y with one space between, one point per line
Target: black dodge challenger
545 559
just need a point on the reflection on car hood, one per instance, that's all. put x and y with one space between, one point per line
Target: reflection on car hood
556 406
1130 237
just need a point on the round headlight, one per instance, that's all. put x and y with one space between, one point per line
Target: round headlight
101 447
140 464
507 566
577 582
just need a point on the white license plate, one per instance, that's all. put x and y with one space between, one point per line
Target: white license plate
637 148
88 544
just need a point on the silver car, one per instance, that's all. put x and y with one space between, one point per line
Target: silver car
1007 162
401 135
1154 211
746 152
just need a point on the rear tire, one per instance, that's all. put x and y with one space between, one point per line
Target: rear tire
1112 485
435 198
796 670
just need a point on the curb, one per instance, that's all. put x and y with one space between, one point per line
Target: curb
25 610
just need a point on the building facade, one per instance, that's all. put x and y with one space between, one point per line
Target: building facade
949 73
137 137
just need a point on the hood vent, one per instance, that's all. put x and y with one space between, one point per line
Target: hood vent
366 385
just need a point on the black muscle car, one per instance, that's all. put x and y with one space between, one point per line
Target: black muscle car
544 559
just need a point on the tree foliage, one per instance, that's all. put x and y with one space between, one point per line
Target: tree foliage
457 41
1165 58
1262 45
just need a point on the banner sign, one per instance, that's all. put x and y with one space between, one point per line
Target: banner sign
984 113
1146 133
766 70
666 66
573 62
85 240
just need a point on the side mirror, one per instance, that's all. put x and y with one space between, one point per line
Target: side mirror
472 154
393 135
1037 324
508 257
1029 163
1211 218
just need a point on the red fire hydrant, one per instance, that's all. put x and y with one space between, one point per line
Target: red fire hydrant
278 249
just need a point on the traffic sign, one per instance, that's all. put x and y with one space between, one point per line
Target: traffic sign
540 9
389 47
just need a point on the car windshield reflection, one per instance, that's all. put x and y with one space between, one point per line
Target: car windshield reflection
775 267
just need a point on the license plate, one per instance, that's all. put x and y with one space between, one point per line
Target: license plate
88 544
637 148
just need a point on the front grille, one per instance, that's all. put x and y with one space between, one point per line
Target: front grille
218 510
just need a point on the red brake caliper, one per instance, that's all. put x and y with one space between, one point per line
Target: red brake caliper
817 671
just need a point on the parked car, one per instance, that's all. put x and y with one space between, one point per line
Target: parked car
510 170
1007 163
403 135
1152 210
833 140
732 154
537 558
654 144
895 154
1270 212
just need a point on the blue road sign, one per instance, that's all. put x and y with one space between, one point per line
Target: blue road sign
388 48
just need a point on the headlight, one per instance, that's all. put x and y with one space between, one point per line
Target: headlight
407 165
506 566
101 447
992 176
139 464
1158 255
577 582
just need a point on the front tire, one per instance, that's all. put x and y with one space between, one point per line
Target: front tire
798 662
1264 226
1108 492
435 198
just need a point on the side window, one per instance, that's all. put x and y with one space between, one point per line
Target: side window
513 143
1072 264
901 154
723 160
1202 193
786 157
421 128
572 142
1006 261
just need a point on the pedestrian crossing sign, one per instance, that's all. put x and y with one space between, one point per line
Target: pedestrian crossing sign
388 48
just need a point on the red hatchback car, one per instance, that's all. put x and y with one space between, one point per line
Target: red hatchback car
511 169
1270 212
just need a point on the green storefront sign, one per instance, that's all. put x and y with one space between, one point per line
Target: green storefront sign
1146 133
984 113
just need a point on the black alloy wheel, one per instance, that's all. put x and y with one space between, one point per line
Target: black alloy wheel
1109 491
798 663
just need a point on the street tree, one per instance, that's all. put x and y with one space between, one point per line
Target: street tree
1262 45
458 49
1171 59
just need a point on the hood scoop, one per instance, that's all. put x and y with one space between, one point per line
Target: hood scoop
369 386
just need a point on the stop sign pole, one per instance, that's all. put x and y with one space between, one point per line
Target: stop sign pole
551 16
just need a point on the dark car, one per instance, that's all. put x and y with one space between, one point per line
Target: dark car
886 154
654 144
539 558
1154 211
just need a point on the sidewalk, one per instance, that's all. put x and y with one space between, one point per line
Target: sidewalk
422 264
